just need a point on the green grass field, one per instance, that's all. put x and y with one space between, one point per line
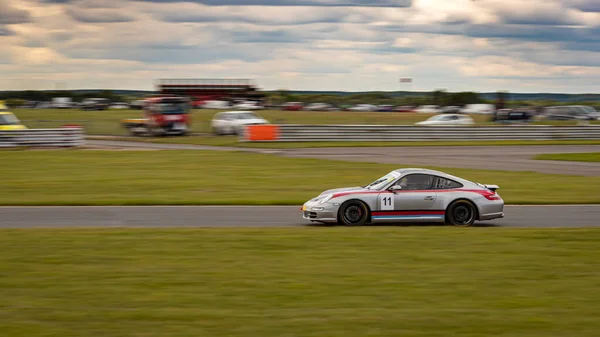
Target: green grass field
593 157
433 282
92 177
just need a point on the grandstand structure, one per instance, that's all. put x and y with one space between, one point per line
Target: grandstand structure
211 89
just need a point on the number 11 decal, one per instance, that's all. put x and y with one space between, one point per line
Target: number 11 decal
386 201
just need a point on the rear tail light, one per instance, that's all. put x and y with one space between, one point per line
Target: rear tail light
491 196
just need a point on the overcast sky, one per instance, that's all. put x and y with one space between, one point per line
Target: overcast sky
352 45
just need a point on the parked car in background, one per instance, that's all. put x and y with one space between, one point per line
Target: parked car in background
62 103
385 108
8 121
292 106
29 105
513 115
248 105
405 108
478 109
570 112
447 120
233 122
137 104
428 109
95 104
451 109
44 105
363 107
216 105
317 107
119 105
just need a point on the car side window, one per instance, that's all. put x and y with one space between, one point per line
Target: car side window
415 182
444 184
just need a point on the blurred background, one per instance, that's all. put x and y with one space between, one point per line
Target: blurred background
155 156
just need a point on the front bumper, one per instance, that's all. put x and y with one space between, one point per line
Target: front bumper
314 211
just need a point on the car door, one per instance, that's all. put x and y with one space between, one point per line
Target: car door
413 202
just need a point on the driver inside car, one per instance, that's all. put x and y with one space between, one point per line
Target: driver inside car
415 182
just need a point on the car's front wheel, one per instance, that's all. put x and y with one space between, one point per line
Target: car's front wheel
353 213
461 213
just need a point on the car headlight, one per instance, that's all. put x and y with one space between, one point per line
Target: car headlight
323 199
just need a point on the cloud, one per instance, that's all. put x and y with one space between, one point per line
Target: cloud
270 36
585 5
4 31
88 15
258 15
325 3
306 44
10 15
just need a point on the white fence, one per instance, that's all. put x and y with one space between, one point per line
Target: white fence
62 137
321 133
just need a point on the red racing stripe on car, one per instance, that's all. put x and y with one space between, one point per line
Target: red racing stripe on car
485 193
341 194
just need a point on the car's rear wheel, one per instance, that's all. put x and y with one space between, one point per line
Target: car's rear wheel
461 213
353 213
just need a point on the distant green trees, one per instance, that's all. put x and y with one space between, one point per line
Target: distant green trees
438 97
33 95
342 99
443 98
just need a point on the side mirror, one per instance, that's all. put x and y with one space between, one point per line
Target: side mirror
395 188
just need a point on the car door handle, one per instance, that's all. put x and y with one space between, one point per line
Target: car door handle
429 197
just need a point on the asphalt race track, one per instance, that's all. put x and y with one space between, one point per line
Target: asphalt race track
253 216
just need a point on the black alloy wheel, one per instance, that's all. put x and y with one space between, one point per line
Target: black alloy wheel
353 213
461 213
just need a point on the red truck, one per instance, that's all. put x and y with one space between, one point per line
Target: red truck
163 115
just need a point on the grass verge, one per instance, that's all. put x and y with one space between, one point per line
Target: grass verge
233 141
593 157
80 177
300 282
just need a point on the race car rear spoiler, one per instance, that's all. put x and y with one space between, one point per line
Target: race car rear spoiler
492 187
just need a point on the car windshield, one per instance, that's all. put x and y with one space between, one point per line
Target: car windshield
169 108
589 109
9 119
379 183
578 110
246 115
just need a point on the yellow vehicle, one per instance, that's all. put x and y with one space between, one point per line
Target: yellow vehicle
8 121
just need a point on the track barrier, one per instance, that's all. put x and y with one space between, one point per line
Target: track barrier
68 136
324 133
261 133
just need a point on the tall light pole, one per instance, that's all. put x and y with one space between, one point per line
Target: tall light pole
407 80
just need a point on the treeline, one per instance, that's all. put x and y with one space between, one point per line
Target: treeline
438 97
76 96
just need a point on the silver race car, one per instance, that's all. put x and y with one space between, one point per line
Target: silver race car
408 195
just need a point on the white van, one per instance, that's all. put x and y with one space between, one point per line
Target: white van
478 109
216 105
62 103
